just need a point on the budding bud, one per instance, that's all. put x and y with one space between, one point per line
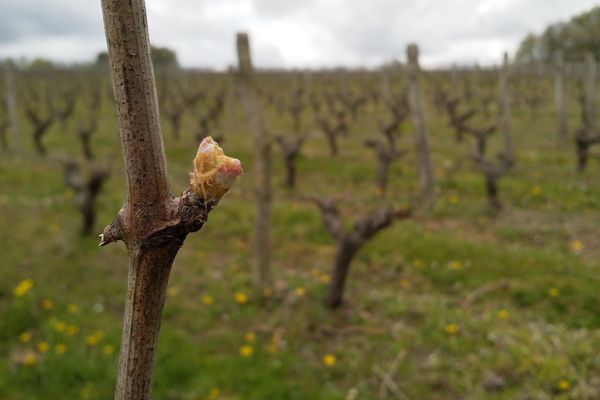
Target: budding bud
214 172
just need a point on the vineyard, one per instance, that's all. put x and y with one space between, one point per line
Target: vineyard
376 280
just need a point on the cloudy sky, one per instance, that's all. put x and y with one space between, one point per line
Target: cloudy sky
290 33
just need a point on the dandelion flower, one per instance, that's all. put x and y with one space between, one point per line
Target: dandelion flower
72 330
43 347
108 349
240 298
25 337
250 337
59 326
536 190
563 385
451 329
503 314
94 338
455 265
213 394
72 309
553 292
47 304
453 199
576 246
324 278
60 348
23 287
300 291
246 351
329 360
29 359
207 300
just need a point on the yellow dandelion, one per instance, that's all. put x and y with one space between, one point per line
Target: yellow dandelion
453 199
59 326
553 292
240 297
108 349
86 391
273 348
418 263
172 291
72 309
233 268
93 339
300 291
239 244
25 337
451 329
536 190
329 360
404 283
250 337
576 246
72 330
455 265
246 351
207 299
47 304
324 278
60 348
23 287
43 347
213 394
563 385
29 359
503 314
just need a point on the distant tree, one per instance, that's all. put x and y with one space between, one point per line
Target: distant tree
41 64
574 38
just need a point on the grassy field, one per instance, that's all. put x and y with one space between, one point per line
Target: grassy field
456 302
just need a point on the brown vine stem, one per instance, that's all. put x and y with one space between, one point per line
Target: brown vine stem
152 223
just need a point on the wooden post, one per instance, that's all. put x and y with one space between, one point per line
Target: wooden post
11 107
152 223
262 154
505 106
385 85
420 135
590 90
559 98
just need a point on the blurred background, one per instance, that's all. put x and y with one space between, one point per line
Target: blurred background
465 181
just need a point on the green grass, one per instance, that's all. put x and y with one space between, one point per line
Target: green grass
404 296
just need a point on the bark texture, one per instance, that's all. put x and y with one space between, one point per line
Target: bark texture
152 223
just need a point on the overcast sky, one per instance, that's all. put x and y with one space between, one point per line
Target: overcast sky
290 33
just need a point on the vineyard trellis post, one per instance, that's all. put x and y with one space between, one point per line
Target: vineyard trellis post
590 90
505 106
420 134
559 98
11 106
262 154
152 223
